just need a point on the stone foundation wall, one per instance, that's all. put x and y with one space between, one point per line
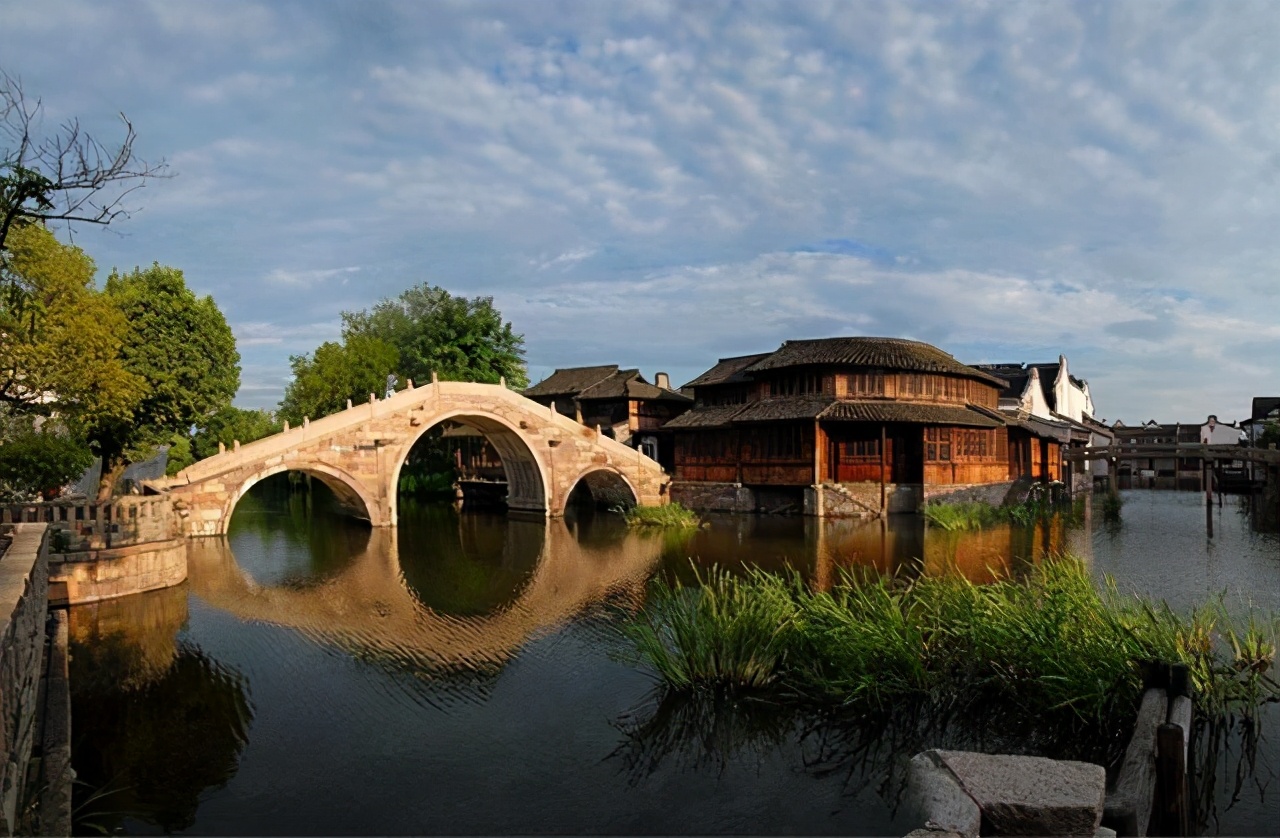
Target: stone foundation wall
994 494
24 597
713 497
76 578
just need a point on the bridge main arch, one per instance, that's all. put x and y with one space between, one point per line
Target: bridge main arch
528 476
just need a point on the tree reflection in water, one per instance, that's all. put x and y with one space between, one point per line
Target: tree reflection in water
155 721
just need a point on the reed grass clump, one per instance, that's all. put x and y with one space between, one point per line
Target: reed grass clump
670 516
976 515
1112 503
1053 641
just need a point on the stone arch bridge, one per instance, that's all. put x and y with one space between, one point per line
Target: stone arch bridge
358 454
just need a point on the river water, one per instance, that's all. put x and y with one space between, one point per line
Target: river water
460 675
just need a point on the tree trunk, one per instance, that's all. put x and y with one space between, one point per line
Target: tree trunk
113 467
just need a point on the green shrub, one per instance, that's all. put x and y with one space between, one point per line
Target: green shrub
672 515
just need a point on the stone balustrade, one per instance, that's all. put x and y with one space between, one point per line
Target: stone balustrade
82 525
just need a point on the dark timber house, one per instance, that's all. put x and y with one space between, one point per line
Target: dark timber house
843 427
620 402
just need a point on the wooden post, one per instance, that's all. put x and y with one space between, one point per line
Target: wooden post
884 455
1170 816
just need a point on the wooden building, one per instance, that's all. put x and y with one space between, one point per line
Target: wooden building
849 427
620 402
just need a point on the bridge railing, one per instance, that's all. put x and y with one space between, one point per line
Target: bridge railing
404 400
1136 451
80 525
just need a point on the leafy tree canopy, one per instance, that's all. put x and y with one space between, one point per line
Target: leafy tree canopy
457 338
1270 435
335 372
63 339
226 426
182 347
39 457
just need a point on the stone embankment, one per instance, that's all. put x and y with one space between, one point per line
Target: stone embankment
35 740
104 549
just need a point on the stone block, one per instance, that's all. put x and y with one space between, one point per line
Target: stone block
1021 795
936 801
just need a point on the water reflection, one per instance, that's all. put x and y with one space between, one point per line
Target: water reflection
820 551
466 565
156 722
302 536
466 664
497 583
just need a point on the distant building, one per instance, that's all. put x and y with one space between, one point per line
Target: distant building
1057 403
620 402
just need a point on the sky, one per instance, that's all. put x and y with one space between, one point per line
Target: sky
662 184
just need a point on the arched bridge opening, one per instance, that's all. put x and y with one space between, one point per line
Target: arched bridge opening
478 462
602 489
307 487
293 528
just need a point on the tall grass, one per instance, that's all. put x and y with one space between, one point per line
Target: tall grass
672 515
976 515
1052 640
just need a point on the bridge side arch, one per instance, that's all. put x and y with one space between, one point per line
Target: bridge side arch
528 474
608 486
351 494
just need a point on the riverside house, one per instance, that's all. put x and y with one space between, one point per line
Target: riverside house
846 427
620 402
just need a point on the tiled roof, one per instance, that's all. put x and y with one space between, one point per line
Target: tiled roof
613 387
570 382
727 371
911 412
782 409
629 384
717 416
876 353
1263 405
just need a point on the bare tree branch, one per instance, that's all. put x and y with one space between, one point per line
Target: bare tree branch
67 176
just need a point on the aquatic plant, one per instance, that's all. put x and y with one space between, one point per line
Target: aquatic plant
1111 506
976 515
1051 640
672 515
723 632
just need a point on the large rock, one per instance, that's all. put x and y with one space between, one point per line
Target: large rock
936 801
1030 795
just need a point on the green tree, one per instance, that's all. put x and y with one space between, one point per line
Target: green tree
457 338
1270 435
231 424
324 381
226 426
61 352
38 458
181 345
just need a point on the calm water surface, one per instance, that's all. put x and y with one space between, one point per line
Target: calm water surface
460 675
